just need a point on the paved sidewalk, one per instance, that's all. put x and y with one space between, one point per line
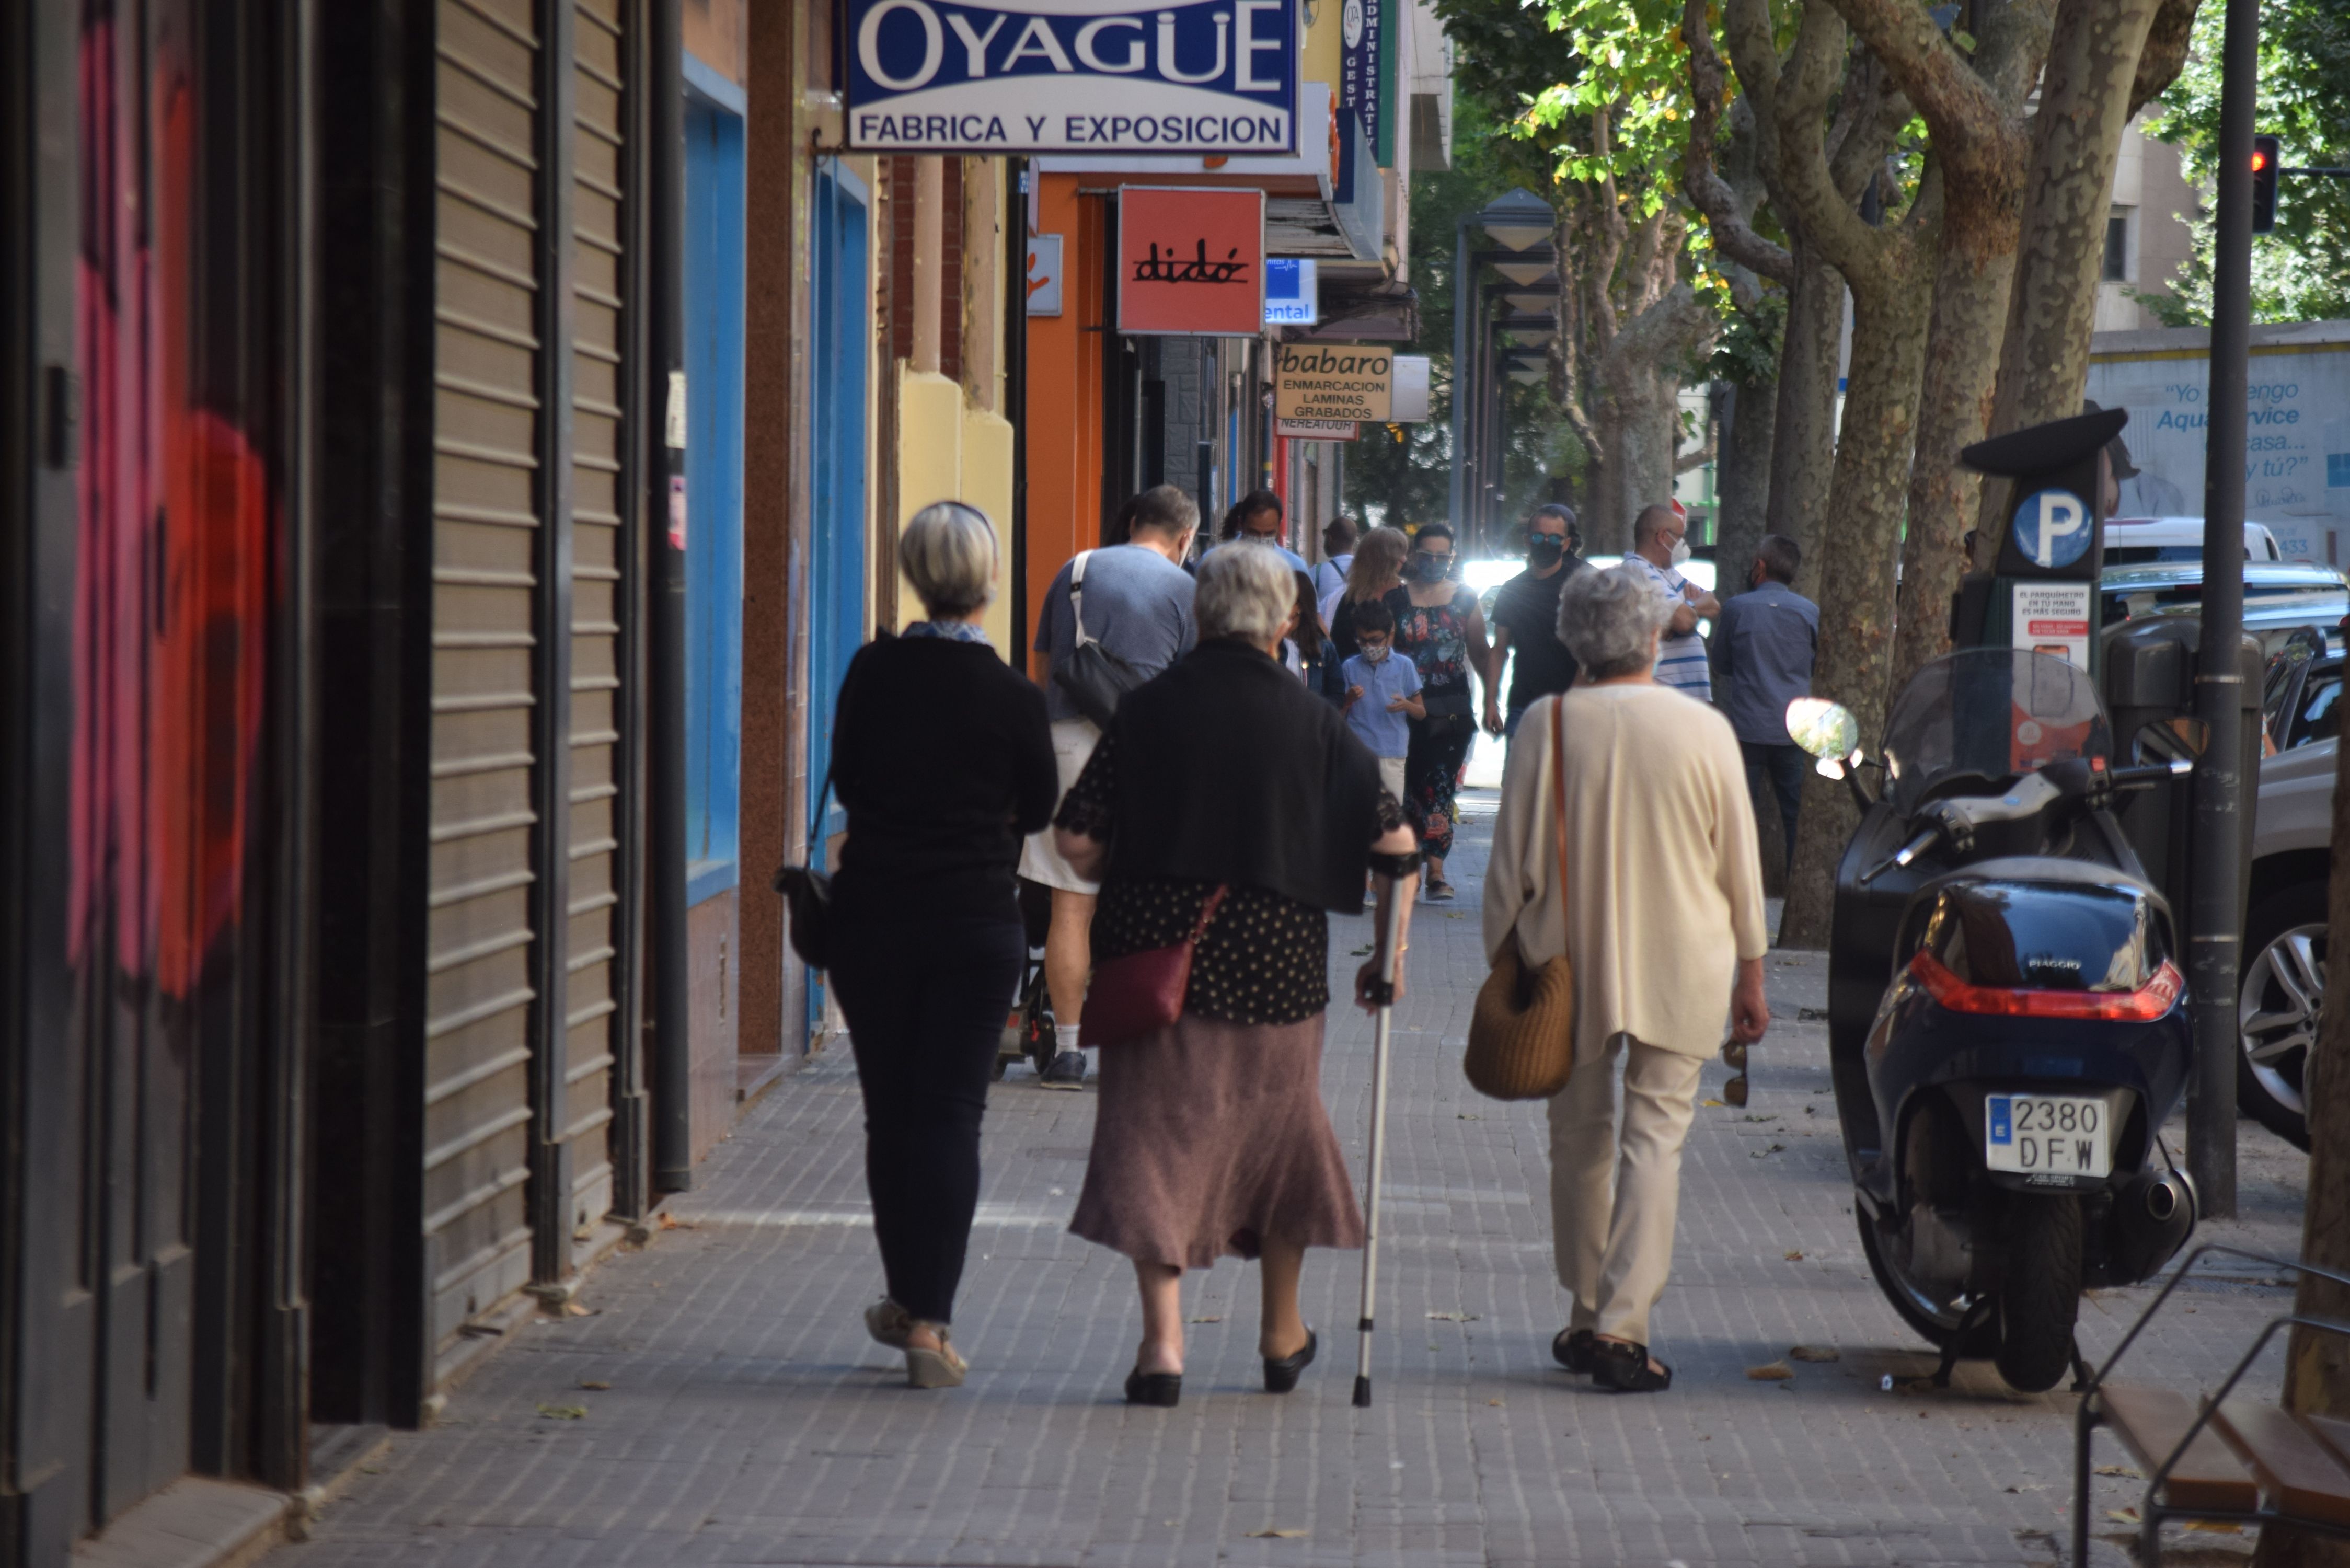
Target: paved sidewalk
735 1413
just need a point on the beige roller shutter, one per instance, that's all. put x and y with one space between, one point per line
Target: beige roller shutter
484 539
591 1007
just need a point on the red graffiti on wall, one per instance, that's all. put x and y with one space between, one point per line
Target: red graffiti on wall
175 525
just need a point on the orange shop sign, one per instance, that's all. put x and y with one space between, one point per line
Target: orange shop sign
1190 261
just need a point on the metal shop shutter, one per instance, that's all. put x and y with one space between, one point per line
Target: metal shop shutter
590 1012
484 541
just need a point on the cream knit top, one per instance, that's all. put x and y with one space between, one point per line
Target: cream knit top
1664 884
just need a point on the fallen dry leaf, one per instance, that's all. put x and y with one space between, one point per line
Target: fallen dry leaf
1715 1103
2122 1515
572 1309
1276 1534
1453 1317
1815 1352
564 1412
1216 1317
599 1387
2215 1526
2129 1471
1770 1372
1794 1257
1493 1402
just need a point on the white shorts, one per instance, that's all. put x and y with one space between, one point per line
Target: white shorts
1391 776
1073 747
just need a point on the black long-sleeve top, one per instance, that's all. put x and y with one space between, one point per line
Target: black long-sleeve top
944 761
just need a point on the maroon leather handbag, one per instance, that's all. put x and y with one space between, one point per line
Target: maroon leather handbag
1143 992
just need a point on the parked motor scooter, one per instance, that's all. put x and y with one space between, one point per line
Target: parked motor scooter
2006 1021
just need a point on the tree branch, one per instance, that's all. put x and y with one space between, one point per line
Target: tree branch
1733 235
1822 206
1966 116
2165 54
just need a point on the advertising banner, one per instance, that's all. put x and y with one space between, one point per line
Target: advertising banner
1214 78
1352 381
2054 619
1366 71
2297 435
1293 294
1190 261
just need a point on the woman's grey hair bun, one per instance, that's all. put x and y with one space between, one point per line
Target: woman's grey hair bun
949 553
1606 618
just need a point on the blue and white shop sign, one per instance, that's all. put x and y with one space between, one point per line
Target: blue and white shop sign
1217 78
1293 294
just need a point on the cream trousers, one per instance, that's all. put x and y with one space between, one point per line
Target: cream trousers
1613 1195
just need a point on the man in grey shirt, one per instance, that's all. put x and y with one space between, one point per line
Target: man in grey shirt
1137 606
1764 642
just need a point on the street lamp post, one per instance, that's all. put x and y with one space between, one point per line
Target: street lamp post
2215 915
1517 221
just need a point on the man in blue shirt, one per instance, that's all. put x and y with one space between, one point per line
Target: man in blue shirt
1764 643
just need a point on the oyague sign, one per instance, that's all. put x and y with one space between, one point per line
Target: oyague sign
1216 77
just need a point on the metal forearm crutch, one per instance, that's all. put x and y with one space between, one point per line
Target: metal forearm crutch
1384 996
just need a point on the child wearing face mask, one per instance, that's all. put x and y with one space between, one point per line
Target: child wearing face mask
1382 693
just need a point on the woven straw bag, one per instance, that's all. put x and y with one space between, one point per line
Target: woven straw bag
1522 1034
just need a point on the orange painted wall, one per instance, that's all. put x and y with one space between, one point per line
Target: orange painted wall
1064 425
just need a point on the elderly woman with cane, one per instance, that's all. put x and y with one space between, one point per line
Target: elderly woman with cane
1228 807
1662 920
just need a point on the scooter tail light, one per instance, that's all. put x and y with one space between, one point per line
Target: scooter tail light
2150 1001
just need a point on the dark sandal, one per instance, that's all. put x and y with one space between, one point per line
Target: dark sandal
1624 1369
1575 1349
1281 1377
1162 1389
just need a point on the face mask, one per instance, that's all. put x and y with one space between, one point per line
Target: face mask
1430 568
1377 655
1680 551
1544 550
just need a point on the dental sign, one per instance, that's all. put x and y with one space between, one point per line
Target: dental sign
1073 76
2052 528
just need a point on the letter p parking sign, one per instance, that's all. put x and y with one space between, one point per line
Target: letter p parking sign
2052 528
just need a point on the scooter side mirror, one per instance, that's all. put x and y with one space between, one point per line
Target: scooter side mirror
2180 740
1823 728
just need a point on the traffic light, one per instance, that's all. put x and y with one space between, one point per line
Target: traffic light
2264 182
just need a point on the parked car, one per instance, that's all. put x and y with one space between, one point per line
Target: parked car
2281 598
2144 541
2284 979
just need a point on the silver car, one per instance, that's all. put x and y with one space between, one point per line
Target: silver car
2284 979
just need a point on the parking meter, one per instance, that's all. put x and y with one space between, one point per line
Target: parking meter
2042 593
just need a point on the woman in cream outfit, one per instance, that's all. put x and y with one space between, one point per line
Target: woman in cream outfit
1663 918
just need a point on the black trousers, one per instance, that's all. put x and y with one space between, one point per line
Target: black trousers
926 1001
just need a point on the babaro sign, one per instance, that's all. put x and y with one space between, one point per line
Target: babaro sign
1214 77
1333 382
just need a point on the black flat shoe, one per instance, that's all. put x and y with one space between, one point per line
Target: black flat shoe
1163 1390
1624 1369
1281 1377
1575 1349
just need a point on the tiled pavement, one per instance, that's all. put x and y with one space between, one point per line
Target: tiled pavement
735 1412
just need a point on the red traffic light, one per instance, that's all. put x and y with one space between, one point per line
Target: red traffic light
2264 183
2259 158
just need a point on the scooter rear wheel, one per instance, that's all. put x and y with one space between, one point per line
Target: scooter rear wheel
1934 1323
2041 1299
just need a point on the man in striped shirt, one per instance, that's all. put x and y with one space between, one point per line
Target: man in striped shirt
1660 545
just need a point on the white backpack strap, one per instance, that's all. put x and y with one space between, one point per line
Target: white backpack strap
1078 596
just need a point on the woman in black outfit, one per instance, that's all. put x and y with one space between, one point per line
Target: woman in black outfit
944 761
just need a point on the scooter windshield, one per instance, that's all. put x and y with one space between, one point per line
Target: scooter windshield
1986 716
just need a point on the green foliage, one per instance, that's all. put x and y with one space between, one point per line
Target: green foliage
1747 352
1634 65
2301 272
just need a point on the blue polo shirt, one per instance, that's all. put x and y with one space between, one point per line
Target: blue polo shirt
1388 734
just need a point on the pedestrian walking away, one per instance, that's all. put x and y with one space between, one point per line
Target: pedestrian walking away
1382 695
1338 555
1441 628
1375 571
1226 793
1659 549
1137 606
1526 620
1764 643
942 758
1662 920
1304 651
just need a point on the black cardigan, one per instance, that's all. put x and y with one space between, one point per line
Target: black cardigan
943 759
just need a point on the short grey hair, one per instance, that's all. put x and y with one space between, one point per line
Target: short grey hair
948 551
1605 620
1245 591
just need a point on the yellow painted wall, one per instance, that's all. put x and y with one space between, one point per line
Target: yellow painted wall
987 484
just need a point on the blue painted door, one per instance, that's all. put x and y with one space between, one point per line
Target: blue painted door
713 463
841 315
